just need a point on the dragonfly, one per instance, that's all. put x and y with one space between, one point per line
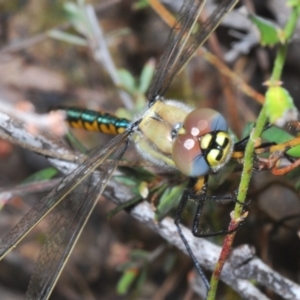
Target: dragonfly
169 134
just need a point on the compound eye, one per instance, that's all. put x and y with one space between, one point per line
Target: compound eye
188 156
204 120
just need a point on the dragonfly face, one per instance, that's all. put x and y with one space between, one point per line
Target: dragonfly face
172 135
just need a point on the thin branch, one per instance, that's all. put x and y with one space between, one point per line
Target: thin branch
53 122
14 131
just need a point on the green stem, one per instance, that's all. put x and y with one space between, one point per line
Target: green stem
278 64
248 162
291 23
262 118
249 153
281 54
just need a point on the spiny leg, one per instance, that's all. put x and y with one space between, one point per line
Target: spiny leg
179 211
196 190
241 145
199 195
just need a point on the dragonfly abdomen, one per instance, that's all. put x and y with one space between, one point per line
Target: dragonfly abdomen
94 120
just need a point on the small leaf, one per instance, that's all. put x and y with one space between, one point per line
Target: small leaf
169 199
67 37
141 279
44 174
169 262
279 136
125 180
140 4
127 80
146 76
127 280
270 33
76 15
293 3
280 106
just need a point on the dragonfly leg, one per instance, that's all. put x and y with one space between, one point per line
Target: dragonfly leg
201 197
179 211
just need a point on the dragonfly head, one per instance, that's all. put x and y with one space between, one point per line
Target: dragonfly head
202 143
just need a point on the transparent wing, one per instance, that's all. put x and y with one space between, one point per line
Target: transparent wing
80 191
183 41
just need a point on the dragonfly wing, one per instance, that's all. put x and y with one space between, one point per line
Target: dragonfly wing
67 223
83 182
70 216
173 48
200 35
182 43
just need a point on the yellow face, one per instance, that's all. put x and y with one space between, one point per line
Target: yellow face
217 147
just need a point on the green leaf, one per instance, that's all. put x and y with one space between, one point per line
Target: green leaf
293 3
67 37
126 281
169 199
76 15
141 279
126 180
270 33
137 186
140 4
280 107
128 81
44 174
279 136
169 262
146 76
129 264
140 102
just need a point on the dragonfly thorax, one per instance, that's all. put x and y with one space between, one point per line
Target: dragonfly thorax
174 136
154 137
